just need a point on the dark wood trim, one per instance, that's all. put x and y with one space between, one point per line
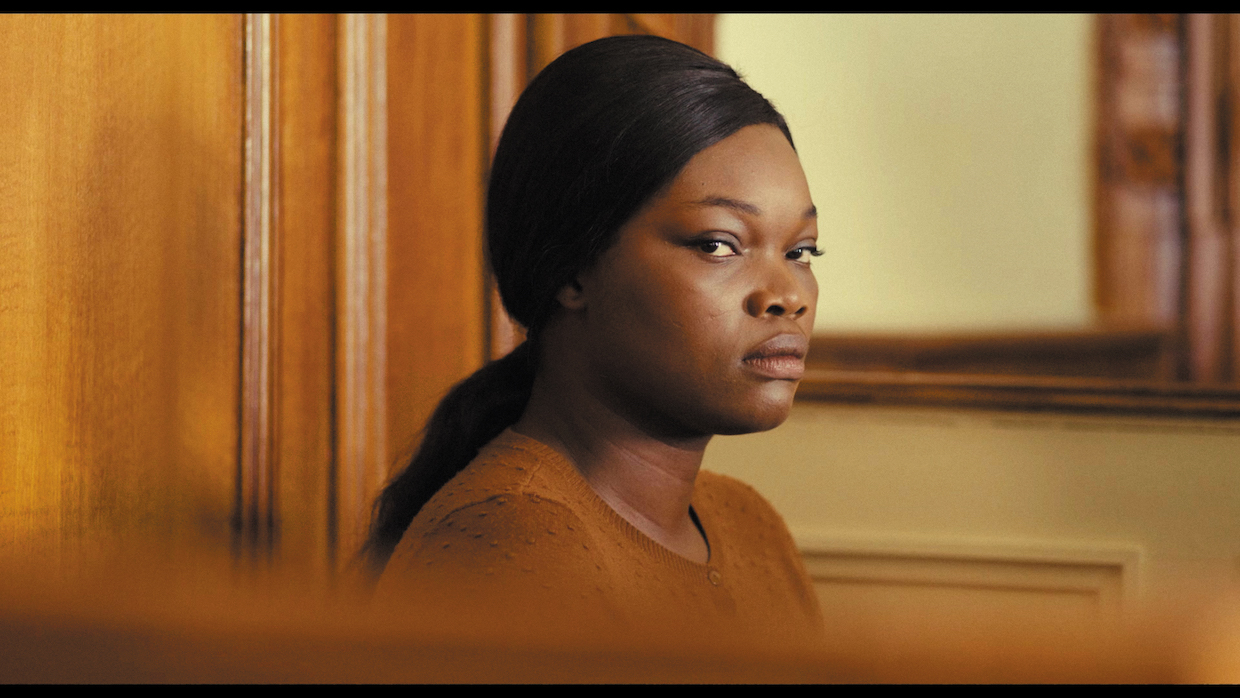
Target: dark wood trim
1122 353
1138 193
1021 393
1089 371
1207 322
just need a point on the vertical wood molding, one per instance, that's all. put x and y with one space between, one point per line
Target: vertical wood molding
255 516
1204 234
506 65
506 69
1140 255
1232 110
547 37
361 278
1209 160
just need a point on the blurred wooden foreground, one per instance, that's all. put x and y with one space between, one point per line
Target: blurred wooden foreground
126 619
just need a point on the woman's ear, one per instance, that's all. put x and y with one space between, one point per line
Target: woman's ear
572 296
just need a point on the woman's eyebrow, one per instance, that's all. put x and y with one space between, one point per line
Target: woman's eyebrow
741 206
745 207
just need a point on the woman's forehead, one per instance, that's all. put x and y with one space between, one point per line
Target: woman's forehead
750 171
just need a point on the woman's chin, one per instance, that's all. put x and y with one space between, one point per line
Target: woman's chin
762 416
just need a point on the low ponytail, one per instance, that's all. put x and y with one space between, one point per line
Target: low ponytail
472 414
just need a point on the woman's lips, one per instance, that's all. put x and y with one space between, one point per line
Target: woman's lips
782 357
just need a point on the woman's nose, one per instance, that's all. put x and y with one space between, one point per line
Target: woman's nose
780 293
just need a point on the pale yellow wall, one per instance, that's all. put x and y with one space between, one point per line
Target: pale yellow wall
947 155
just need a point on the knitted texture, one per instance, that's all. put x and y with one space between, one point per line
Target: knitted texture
519 535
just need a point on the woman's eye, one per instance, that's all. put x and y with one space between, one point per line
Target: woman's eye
802 254
716 248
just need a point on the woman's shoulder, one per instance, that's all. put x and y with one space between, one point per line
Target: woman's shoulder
511 505
503 529
511 472
503 538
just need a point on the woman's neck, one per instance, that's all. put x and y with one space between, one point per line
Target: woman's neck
648 479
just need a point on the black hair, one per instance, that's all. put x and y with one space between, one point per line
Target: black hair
597 134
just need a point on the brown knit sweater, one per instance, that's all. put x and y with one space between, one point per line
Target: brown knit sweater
520 534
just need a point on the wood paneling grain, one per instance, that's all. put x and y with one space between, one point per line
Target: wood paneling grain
239 269
507 75
306 200
1128 353
697 30
1207 240
254 511
437 149
361 397
120 192
1138 248
1021 393
553 34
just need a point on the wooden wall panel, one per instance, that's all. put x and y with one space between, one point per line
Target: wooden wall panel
1211 162
553 34
306 200
120 183
241 260
697 30
360 386
437 150
1138 250
507 74
1129 354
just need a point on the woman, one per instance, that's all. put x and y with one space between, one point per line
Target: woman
649 224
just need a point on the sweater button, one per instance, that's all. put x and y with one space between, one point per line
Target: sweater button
715 578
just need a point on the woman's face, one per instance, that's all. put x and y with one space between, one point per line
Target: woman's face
697 320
